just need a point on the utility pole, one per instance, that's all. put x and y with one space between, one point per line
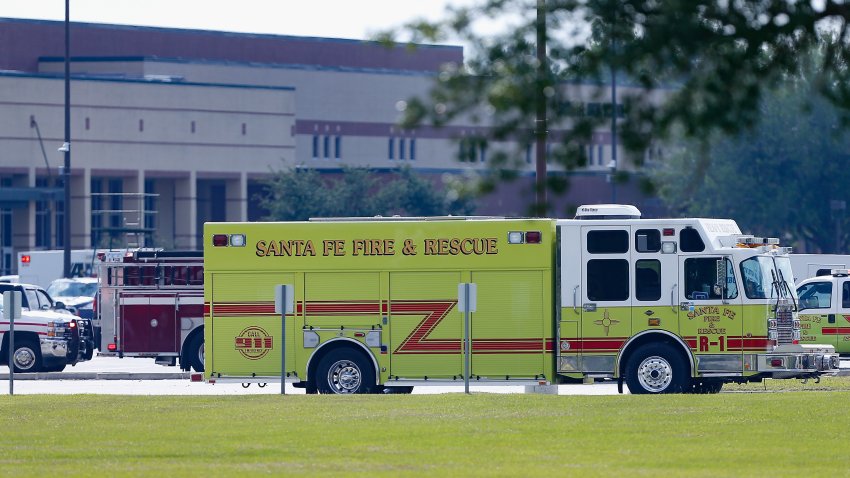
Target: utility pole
540 130
66 147
613 165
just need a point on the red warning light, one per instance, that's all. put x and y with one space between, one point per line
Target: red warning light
25 259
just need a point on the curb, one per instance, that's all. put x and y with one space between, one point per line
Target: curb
98 376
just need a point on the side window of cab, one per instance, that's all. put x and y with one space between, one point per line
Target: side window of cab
815 295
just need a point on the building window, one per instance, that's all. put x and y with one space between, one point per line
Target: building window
338 147
528 153
244 129
116 202
590 155
315 146
96 209
43 230
600 155
412 149
401 146
327 147
141 125
391 148
192 127
150 211
88 124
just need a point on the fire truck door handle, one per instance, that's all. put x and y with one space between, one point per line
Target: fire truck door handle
575 300
831 318
673 297
589 307
685 306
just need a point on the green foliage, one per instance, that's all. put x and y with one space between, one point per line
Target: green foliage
713 60
731 434
298 194
779 178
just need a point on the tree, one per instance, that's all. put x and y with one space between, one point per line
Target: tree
782 178
298 194
719 55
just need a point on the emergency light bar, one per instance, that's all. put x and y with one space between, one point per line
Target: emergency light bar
840 272
751 241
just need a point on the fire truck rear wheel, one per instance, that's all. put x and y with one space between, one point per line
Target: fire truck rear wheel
656 368
345 371
195 352
27 356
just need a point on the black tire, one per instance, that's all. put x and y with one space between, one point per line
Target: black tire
706 386
27 356
345 371
656 368
194 353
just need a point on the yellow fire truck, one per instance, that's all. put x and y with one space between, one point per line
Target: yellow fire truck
664 305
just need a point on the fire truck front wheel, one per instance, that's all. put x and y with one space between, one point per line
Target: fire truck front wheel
656 368
345 371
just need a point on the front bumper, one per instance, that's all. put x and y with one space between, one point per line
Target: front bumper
54 349
799 361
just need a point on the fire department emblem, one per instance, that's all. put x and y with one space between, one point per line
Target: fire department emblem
254 343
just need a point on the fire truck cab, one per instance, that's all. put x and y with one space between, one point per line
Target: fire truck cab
150 304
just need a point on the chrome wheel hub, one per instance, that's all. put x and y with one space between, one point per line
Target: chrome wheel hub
655 374
344 377
24 358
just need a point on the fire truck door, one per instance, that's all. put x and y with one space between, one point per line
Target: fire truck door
425 325
711 321
655 278
148 323
606 316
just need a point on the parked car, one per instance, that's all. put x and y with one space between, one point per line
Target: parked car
38 306
77 294
45 341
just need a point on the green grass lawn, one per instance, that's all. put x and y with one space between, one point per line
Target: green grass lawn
796 434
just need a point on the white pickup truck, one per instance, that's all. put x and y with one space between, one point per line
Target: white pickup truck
46 339
824 310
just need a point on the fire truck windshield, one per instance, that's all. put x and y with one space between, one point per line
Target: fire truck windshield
766 278
783 265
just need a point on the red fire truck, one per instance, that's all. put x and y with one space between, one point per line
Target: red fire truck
150 303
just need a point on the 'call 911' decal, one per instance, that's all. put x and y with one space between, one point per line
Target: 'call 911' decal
254 343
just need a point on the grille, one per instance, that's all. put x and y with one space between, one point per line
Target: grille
784 326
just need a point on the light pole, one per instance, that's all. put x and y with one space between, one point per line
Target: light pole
66 147
540 130
613 164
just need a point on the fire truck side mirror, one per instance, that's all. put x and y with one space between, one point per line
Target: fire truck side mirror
720 280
